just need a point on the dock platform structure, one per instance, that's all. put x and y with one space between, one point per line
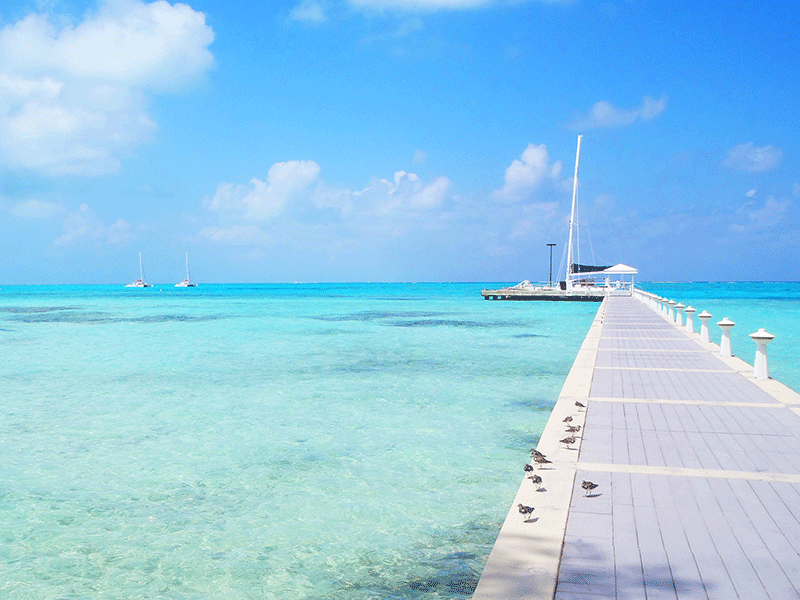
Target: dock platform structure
697 466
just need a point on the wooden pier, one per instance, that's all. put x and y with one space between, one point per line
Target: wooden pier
697 466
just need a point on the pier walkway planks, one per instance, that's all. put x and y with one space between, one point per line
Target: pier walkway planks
698 466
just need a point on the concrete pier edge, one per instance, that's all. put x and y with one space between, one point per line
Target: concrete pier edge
525 558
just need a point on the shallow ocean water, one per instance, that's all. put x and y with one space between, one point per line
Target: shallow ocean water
277 441
298 441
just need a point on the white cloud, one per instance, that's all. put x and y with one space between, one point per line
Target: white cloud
295 199
420 157
603 114
36 209
751 193
408 192
528 172
261 200
751 158
71 96
84 224
308 12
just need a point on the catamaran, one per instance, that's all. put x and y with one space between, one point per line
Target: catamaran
589 283
140 283
186 282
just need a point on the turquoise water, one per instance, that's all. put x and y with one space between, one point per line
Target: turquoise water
280 441
298 441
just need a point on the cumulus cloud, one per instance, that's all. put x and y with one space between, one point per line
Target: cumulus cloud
84 224
294 198
752 158
528 172
36 209
72 96
260 200
603 114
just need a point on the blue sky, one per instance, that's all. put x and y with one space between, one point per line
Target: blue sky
396 140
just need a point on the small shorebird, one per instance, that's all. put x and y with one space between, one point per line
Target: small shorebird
588 486
541 460
535 452
567 419
579 405
525 511
537 481
528 468
568 440
573 429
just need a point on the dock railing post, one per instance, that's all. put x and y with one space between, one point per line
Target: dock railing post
671 310
760 366
725 343
679 314
689 318
704 317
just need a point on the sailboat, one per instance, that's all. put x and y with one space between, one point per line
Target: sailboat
140 283
581 282
186 282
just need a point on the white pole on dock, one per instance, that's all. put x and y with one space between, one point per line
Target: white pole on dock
689 320
679 314
760 366
725 343
671 310
704 317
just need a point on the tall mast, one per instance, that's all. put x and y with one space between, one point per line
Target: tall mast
141 271
572 215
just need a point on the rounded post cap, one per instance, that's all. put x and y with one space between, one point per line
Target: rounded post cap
726 322
690 309
705 315
762 336
679 306
672 302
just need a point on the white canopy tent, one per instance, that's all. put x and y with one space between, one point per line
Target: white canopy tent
620 270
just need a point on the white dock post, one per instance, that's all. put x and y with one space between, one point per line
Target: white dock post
704 317
671 310
679 314
689 320
662 305
725 344
760 367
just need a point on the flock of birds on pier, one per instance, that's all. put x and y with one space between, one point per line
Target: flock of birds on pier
540 460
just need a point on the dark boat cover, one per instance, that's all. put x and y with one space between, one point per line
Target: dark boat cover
576 268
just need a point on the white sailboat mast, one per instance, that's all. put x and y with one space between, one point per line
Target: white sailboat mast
187 267
141 271
570 258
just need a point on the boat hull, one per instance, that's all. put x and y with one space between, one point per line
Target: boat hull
543 295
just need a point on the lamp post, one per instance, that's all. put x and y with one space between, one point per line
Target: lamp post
551 263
